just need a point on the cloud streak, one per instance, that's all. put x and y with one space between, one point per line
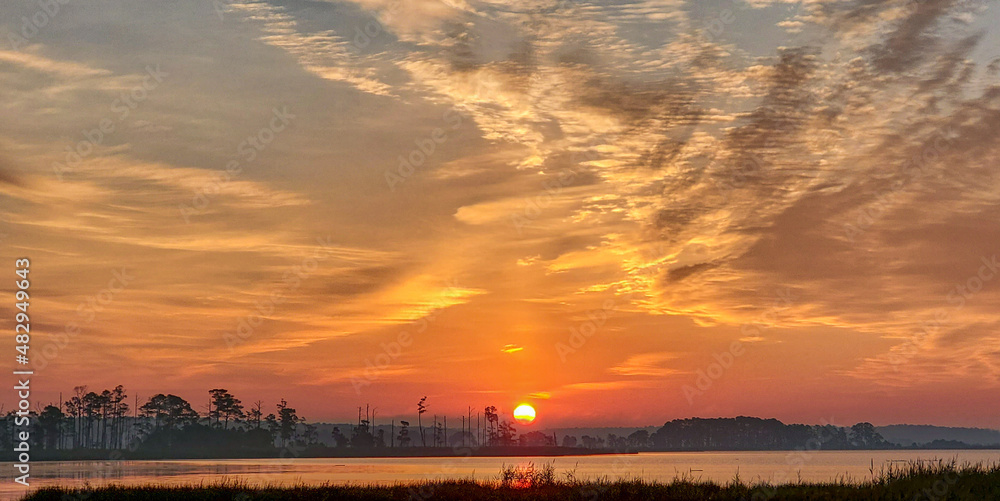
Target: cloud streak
675 159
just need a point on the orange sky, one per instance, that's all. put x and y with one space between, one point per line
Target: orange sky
623 214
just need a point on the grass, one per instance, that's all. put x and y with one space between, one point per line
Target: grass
938 481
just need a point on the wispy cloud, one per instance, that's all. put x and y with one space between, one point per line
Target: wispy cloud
645 167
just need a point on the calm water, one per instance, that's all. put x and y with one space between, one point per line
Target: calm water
661 466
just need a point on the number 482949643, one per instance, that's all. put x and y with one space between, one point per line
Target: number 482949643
23 327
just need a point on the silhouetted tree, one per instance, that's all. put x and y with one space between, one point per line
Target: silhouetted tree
287 420
119 412
255 414
361 436
421 409
832 437
535 438
309 435
750 433
50 426
438 432
272 426
492 422
92 404
638 439
75 408
224 407
169 411
616 442
505 433
339 439
864 436
404 434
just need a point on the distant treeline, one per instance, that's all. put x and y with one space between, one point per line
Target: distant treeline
102 425
750 433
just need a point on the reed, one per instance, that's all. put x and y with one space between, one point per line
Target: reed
924 481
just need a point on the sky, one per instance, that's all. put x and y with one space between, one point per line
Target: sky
622 212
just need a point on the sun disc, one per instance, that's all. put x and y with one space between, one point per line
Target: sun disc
524 414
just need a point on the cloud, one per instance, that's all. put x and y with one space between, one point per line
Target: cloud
605 385
33 60
646 364
323 53
624 152
8 176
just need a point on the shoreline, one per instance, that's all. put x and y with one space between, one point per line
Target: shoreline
539 452
531 452
912 481
316 453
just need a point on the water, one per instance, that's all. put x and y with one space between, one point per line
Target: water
810 466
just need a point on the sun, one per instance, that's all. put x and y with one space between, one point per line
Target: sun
524 414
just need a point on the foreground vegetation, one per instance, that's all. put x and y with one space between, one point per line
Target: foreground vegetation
916 481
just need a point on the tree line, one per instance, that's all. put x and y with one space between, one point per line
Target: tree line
751 433
89 420
107 420
167 424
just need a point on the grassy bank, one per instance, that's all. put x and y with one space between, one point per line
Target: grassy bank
927 482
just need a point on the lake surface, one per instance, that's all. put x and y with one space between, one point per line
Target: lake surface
778 467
